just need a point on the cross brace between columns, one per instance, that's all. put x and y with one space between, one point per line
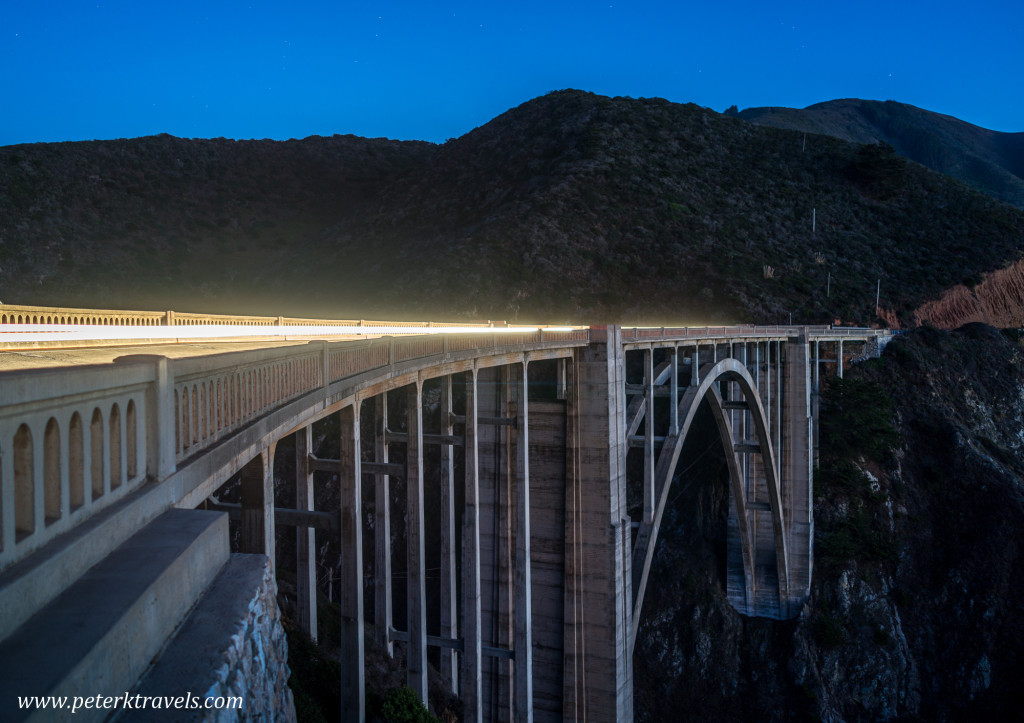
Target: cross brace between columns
498 421
637 441
401 636
319 464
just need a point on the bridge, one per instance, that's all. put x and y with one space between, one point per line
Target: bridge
137 498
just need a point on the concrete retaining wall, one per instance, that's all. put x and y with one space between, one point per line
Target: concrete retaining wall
232 645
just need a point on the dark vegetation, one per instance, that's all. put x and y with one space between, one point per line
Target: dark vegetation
987 160
570 207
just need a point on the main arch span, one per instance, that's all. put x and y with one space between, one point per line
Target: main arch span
519 439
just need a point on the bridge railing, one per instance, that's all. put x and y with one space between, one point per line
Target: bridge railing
20 314
213 399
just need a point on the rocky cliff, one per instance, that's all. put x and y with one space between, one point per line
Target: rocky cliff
915 607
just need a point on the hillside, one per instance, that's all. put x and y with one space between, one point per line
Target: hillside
165 222
987 160
571 206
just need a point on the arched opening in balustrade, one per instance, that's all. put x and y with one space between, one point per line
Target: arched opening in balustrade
177 423
218 408
51 472
96 453
194 422
210 408
76 462
203 412
115 447
24 484
131 440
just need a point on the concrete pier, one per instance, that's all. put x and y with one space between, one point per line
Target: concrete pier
598 683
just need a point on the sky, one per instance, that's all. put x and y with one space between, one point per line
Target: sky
435 70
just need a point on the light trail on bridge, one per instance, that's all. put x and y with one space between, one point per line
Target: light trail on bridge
21 333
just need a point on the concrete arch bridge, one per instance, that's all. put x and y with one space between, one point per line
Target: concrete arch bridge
496 456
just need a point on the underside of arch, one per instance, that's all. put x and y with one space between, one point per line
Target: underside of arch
759 576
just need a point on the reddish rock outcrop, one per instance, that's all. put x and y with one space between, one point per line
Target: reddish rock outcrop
998 300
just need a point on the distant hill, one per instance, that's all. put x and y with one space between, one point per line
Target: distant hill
987 160
571 206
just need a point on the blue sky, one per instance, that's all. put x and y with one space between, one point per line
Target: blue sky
434 70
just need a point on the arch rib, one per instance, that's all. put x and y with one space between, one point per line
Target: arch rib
646 540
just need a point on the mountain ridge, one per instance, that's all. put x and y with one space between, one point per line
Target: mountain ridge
569 207
988 160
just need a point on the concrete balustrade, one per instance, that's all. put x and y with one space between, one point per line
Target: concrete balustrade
62 469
